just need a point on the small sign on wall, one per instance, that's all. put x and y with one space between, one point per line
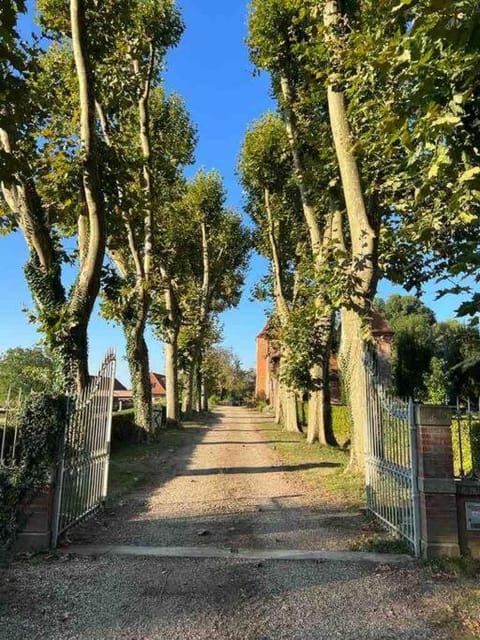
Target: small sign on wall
472 510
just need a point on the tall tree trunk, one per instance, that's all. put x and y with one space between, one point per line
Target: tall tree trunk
69 344
86 288
352 368
319 416
141 387
139 365
171 356
198 385
363 245
171 373
320 427
188 391
205 402
288 407
308 205
289 413
286 411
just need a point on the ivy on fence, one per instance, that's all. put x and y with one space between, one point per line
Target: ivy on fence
41 424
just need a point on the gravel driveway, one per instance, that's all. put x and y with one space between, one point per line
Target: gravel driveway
230 490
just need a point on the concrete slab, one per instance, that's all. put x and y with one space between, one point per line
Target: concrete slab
244 554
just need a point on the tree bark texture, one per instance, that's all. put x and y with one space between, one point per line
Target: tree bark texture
319 421
87 286
188 391
139 365
363 248
320 427
43 270
171 355
286 412
352 349
171 374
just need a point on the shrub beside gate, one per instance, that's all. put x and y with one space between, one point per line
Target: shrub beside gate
29 455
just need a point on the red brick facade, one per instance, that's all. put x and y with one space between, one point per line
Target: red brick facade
267 360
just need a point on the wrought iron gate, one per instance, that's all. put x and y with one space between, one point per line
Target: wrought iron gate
83 471
391 459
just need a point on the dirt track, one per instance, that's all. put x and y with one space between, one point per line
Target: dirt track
229 489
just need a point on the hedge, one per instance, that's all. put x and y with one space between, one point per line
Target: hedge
470 439
125 431
341 421
41 425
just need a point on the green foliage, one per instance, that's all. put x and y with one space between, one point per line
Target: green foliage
342 424
261 405
414 347
225 376
12 492
125 431
41 425
413 86
398 307
212 401
25 370
341 421
458 346
431 361
466 446
436 382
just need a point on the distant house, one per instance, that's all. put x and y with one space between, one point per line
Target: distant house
159 385
268 359
123 397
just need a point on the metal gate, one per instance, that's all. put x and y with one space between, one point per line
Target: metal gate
391 459
83 471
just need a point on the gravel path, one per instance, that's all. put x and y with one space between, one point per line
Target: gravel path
229 490
145 599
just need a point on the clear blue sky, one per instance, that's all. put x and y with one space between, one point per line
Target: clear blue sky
212 71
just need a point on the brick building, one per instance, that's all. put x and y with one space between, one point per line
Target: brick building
123 398
268 358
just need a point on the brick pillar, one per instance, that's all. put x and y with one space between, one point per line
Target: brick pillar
438 503
36 531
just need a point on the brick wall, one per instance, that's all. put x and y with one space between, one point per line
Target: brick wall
262 380
37 520
438 501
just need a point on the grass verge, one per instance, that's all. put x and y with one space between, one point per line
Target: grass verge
132 466
340 487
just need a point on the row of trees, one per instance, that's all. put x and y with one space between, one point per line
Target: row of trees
93 152
368 168
432 361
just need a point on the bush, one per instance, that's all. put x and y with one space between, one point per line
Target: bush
41 425
341 420
12 493
470 439
212 401
125 431
261 405
342 424
302 411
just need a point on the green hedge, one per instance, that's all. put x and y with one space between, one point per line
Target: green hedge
341 420
342 424
125 431
41 425
470 439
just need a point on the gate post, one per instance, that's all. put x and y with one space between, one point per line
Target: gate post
438 505
35 534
